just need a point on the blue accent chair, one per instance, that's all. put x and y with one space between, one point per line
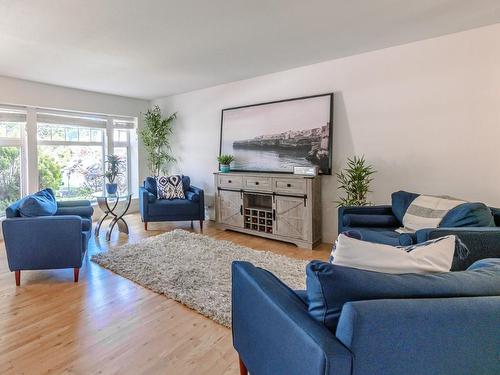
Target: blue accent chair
153 209
274 333
48 242
379 223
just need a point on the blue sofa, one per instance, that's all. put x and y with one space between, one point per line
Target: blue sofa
153 209
274 331
379 223
47 242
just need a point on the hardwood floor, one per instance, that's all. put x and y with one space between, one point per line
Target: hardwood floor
106 324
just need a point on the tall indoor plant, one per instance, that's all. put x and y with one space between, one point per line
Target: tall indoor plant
155 136
355 180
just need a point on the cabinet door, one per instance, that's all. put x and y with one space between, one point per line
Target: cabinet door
230 208
290 217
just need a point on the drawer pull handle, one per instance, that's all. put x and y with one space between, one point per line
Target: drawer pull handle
229 181
256 182
288 185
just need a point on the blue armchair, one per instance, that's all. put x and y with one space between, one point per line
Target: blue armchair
48 242
274 333
379 223
189 209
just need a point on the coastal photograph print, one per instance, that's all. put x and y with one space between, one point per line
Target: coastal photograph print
277 136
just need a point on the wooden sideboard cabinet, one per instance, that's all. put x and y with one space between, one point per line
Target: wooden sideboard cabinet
283 207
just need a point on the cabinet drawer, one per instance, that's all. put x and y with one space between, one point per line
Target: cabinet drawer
257 183
230 182
290 186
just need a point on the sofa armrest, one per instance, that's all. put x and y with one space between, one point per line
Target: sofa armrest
482 242
74 203
273 331
82 211
201 202
362 210
447 335
43 242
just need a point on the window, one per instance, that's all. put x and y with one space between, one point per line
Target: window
12 123
61 150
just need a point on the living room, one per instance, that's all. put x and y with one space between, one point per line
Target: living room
171 171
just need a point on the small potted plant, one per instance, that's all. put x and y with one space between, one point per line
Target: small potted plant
113 165
224 161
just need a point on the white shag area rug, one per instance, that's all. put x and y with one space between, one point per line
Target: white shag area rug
195 269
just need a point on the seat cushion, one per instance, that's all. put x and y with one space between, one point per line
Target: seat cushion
41 203
401 200
170 208
330 286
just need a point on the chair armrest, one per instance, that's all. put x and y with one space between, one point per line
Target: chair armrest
43 242
482 242
447 335
201 202
362 210
73 203
273 331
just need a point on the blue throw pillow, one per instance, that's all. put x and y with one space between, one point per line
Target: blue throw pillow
468 215
150 185
401 200
42 203
330 286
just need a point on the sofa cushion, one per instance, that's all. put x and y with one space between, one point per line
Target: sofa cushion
170 208
484 263
401 200
330 286
150 185
468 215
431 256
379 235
41 203
380 221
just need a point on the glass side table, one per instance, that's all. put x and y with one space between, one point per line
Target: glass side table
108 203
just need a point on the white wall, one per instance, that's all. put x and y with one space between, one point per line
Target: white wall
425 114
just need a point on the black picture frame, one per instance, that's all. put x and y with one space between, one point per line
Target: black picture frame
330 126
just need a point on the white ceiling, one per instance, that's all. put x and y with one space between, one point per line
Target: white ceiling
153 48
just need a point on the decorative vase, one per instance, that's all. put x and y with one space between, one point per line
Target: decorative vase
224 168
111 188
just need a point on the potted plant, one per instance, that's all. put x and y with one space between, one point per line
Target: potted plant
155 136
355 181
113 165
224 161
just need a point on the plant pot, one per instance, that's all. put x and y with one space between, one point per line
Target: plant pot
224 168
111 188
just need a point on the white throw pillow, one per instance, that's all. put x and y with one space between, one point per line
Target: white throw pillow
427 257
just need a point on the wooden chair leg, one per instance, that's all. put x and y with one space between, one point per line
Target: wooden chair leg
243 368
145 225
201 225
18 277
76 273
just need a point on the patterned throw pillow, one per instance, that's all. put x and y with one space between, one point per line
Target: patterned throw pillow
170 187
